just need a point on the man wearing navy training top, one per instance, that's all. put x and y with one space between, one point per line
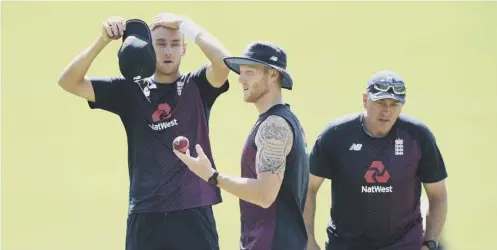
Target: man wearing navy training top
377 162
169 206
274 164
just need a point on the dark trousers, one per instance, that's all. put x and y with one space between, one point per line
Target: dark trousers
190 229
410 240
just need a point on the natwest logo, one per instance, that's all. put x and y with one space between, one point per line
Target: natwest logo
163 112
163 125
376 174
160 116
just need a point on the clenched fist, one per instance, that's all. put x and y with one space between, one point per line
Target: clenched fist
113 28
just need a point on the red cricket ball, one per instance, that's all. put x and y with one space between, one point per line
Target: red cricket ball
181 144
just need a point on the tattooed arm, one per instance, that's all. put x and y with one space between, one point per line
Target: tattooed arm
274 140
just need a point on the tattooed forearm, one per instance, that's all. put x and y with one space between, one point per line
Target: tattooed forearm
274 140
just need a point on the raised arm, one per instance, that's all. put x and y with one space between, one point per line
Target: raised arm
217 72
73 79
214 50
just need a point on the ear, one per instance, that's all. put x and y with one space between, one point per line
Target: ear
364 100
274 75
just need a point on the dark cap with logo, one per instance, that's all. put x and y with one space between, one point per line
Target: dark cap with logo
136 54
263 53
386 84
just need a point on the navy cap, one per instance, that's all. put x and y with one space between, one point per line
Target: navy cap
263 53
137 54
386 78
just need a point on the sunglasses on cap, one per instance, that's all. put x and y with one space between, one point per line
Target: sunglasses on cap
381 87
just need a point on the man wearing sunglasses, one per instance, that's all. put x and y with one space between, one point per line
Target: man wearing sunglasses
377 162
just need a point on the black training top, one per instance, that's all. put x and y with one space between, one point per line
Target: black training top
153 115
376 182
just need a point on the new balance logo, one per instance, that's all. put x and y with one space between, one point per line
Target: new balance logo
355 147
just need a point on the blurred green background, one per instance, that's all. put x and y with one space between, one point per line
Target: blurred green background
64 169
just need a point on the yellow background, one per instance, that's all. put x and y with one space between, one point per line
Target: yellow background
64 169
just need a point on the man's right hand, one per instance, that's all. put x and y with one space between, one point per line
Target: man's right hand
312 244
73 79
113 28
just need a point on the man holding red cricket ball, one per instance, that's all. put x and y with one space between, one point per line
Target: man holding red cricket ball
168 204
275 166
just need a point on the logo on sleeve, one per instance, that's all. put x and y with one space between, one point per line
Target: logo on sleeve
376 174
162 113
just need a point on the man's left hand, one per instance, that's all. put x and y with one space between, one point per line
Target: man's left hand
168 20
201 165
424 248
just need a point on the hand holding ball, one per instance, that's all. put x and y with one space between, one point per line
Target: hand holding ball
181 144
200 165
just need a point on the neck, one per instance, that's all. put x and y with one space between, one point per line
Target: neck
370 129
166 79
267 101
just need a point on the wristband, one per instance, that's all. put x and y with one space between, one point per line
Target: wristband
190 30
213 179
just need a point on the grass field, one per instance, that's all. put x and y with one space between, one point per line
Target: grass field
64 169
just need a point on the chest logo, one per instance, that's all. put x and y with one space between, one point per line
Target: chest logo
376 174
399 146
355 147
145 85
179 87
163 112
